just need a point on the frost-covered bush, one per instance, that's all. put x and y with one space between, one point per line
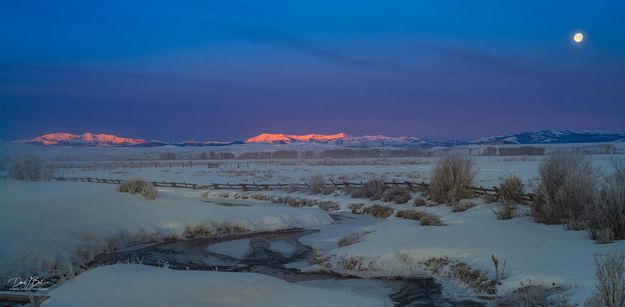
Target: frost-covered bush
566 190
450 178
397 194
352 238
606 218
29 167
146 189
316 183
530 295
610 288
511 190
373 189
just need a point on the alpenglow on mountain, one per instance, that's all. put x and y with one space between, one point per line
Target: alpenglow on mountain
339 139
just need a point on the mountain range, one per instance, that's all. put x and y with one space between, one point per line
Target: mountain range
339 139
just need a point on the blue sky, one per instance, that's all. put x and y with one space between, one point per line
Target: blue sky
224 70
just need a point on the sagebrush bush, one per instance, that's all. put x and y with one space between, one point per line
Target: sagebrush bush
534 295
133 186
29 167
397 194
567 187
450 178
606 218
316 183
610 283
409 214
511 190
373 189
505 212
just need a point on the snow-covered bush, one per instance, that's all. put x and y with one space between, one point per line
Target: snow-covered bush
462 205
419 202
29 167
430 219
316 183
529 295
146 189
373 189
397 194
511 189
610 273
567 187
352 238
378 211
450 178
606 218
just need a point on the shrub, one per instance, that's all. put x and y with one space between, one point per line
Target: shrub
291 188
430 219
329 206
419 202
356 208
398 195
505 212
462 205
316 182
409 214
610 288
29 167
450 177
511 189
566 189
378 211
372 189
146 189
606 219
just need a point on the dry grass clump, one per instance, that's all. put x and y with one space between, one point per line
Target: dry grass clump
329 206
450 177
606 218
505 212
473 278
511 189
373 189
146 189
356 208
567 186
530 295
352 238
29 167
378 211
397 194
430 219
427 219
610 288
419 202
409 214
462 205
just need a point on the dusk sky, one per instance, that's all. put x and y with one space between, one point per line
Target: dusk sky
228 70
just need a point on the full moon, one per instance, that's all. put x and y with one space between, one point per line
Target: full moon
578 37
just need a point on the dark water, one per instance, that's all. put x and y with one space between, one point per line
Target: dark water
194 255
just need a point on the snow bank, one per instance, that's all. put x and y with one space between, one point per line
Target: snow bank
55 227
139 285
536 252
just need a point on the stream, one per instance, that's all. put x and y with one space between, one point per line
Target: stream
270 253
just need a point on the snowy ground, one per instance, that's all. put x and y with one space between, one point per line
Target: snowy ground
43 225
138 285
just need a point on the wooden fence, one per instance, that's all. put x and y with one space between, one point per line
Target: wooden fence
478 191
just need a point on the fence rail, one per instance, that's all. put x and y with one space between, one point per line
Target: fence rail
478 191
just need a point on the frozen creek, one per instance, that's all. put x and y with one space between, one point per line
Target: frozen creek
277 254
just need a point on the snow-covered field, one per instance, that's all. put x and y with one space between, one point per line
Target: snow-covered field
55 227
